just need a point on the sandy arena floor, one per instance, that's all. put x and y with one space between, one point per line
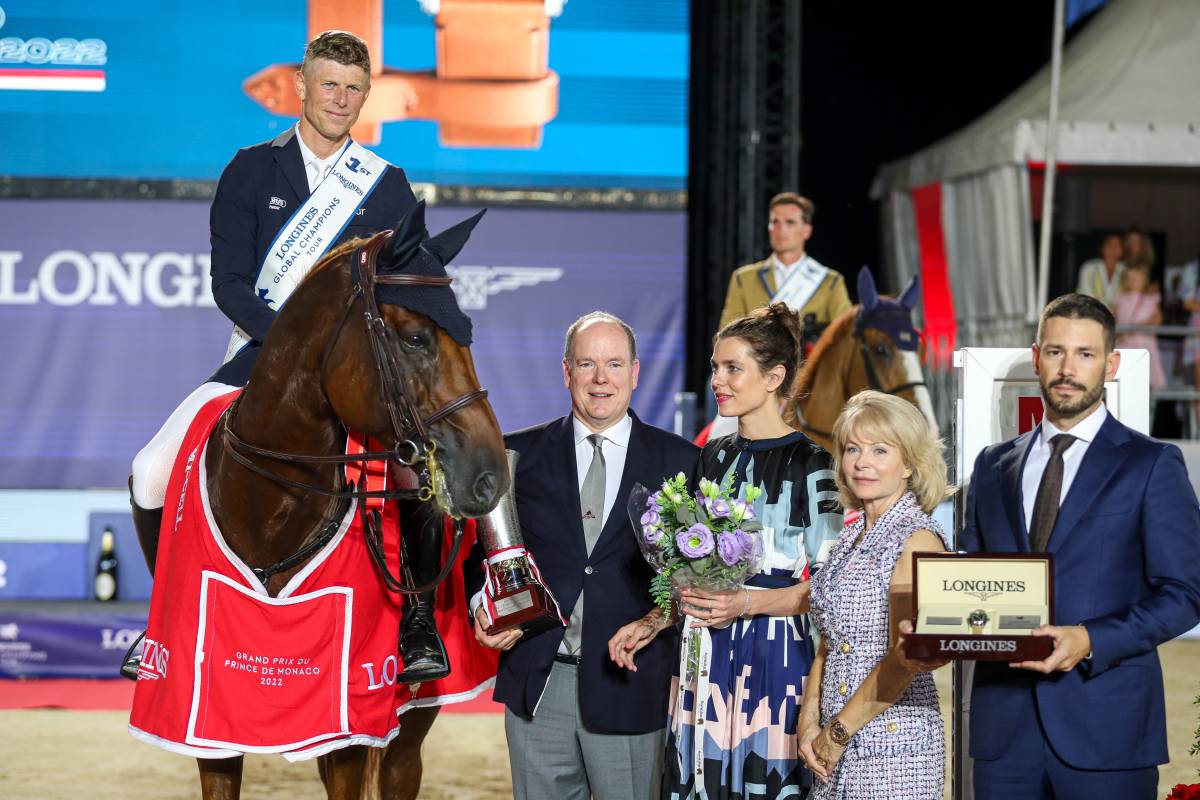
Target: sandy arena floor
67 755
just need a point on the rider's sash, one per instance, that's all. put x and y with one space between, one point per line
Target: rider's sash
801 284
313 229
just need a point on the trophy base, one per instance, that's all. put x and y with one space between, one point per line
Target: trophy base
977 647
527 607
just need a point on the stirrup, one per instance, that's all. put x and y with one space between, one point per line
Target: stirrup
131 663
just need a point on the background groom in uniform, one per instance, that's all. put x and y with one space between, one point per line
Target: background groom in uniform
579 725
1118 513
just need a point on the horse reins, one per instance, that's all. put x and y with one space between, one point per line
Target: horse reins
413 442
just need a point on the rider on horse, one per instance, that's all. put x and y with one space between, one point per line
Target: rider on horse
279 207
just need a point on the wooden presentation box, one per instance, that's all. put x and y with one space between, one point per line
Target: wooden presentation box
981 606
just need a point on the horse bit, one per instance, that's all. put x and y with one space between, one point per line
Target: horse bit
414 446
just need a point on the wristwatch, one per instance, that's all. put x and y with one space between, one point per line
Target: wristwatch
838 733
977 619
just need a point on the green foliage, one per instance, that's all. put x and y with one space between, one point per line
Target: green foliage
1195 748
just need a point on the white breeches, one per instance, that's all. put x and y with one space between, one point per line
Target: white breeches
152 466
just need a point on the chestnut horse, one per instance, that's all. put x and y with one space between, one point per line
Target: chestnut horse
276 467
872 346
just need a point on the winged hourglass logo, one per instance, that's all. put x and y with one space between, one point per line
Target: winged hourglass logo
474 285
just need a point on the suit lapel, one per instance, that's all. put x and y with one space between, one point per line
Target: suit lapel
565 468
1012 467
287 156
767 276
1099 467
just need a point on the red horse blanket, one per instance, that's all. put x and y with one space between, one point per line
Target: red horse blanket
228 669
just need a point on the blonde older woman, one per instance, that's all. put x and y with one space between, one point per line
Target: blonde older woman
873 729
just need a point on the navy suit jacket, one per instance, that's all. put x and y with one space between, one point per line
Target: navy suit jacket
616 577
1126 549
258 192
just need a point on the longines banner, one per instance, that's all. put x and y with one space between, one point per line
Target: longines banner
108 321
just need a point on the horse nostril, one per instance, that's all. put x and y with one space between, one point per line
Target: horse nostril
485 487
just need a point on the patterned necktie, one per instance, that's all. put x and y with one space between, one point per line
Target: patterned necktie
591 505
1045 507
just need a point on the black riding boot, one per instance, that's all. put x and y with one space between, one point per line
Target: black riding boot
421 648
146 523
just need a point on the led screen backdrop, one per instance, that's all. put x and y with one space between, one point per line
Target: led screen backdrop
163 90
108 321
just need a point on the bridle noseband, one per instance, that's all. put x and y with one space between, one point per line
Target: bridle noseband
414 446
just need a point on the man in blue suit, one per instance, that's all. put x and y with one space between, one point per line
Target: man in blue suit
579 725
1116 510
270 204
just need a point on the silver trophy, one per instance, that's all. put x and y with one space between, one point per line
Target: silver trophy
516 597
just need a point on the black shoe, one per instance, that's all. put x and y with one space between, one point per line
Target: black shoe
421 648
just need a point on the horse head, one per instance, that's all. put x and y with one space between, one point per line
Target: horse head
873 346
408 379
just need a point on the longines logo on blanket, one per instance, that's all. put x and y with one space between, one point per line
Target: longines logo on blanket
474 285
154 661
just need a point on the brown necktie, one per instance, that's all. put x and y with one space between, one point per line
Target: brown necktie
1045 507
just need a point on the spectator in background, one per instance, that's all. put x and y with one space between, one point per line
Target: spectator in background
1190 296
1101 277
1139 250
1138 304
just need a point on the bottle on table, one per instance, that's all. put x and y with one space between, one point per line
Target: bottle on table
105 584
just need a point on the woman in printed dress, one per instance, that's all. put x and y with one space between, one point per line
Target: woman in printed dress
873 730
752 645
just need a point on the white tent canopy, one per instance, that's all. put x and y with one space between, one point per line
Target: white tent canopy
1130 96
959 211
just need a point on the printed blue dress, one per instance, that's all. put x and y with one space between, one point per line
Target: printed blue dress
747 679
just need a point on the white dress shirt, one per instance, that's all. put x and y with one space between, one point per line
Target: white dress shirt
615 446
783 271
1039 455
315 168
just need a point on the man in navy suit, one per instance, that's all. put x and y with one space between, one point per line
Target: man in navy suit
1116 510
264 184
579 725
267 189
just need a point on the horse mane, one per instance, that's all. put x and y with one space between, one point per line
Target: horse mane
332 256
831 336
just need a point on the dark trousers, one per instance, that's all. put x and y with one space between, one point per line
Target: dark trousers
1030 770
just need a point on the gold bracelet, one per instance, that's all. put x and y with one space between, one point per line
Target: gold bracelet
746 605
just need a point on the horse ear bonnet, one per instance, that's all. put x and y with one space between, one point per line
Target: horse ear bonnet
412 251
893 317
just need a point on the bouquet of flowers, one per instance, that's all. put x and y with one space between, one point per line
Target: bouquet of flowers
708 539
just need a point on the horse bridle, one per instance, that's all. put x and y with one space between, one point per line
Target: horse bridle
872 376
413 445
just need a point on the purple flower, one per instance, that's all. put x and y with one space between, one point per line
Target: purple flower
729 548
652 501
751 545
650 534
696 541
650 517
716 508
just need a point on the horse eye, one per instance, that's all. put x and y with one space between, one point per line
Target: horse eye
415 341
881 350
